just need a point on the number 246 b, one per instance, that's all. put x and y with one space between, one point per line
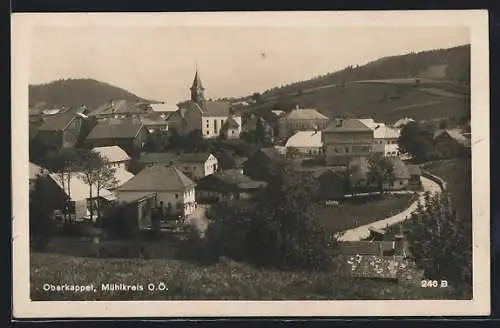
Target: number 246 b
434 283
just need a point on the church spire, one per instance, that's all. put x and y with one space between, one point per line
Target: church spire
197 89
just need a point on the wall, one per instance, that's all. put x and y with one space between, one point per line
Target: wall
288 127
210 166
170 197
211 125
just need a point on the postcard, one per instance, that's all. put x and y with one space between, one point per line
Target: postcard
225 164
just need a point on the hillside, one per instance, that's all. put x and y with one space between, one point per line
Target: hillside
75 92
423 85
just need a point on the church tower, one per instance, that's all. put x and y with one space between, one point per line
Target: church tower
197 89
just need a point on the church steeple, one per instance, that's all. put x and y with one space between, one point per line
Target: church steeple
197 89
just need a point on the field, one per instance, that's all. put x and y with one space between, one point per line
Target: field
385 100
225 280
362 211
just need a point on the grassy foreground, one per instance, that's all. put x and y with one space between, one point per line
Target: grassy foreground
225 280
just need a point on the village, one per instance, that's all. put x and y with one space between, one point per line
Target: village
156 169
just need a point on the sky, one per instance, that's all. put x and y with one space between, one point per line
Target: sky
158 63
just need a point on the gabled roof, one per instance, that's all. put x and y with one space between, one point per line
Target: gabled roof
216 108
158 178
346 125
114 131
303 114
79 188
273 154
193 157
229 180
121 107
380 130
230 123
403 121
57 122
164 108
305 139
122 176
166 158
112 153
454 134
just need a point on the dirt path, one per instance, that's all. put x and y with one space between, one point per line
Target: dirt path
363 232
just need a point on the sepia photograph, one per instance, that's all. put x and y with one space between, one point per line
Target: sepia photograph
338 161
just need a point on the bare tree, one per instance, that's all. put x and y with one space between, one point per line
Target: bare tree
104 178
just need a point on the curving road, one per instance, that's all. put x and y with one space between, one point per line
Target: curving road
363 231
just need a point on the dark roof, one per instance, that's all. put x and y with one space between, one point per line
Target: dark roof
173 157
57 122
197 81
216 108
273 154
193 157
120 107
230 124
164 158
346 125
158 178
414 169
118 131
455 135
229 180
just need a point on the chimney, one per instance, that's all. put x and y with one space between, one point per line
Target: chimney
399 245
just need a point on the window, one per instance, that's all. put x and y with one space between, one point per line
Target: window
346 149
176 196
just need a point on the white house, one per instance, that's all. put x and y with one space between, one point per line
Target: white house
209 117
80 193
194 165
385 138
118 159
301 119
306 143
172 187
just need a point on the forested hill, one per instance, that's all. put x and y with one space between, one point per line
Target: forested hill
425 86
452 64
76 92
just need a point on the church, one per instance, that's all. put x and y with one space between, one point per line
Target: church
211 118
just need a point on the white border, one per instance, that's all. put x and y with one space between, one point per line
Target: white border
476 20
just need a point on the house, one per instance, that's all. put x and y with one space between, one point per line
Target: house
385 138
131 137
415 174
154 123
229 160
194 165
305 143
118 159
197 165
81 195
171 186
380 260
332 181
402 122
135 210
164 109
260 165
359 168
59 130
227 185
121 109
231 128
208 117
344 138
451 143
301 119
278 113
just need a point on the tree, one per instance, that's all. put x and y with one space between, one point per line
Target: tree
416 141
99 174
441 240
381 171
64 163
280 230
